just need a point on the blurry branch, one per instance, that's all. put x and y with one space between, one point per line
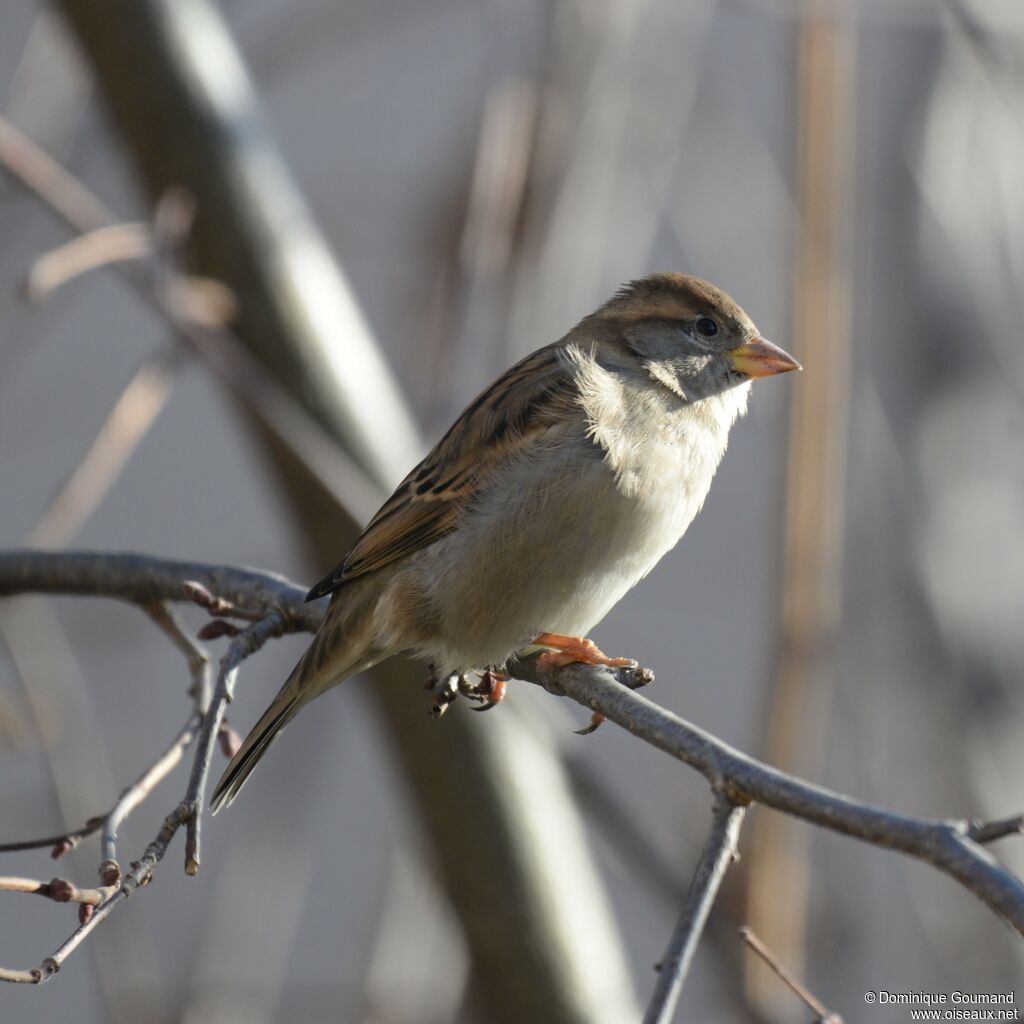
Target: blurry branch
823 1014
179 94
59 190
118 243
187 115
129 420
184 303
988 832
528 893
812 571
882 13
274 607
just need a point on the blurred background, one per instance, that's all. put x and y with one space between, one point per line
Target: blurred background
848 605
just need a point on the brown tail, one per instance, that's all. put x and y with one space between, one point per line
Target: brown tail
282 710
301 686
328 660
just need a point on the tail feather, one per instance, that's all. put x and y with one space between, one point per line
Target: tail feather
284 708
330 658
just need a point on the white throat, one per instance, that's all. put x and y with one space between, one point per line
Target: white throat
653 441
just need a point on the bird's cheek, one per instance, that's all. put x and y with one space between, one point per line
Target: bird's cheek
668 376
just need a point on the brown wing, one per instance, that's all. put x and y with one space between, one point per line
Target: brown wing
535 396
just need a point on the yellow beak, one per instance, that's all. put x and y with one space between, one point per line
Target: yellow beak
760 358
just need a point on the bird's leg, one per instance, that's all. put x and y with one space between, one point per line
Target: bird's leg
490 691
569 649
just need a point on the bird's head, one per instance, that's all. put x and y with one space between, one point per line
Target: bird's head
688 335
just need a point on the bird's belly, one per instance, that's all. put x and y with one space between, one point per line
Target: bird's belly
550 553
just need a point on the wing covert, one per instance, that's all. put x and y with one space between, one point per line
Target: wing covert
536 396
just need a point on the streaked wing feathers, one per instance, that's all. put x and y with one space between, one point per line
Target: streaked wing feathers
534 397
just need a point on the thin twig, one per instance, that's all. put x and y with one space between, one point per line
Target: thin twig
719 851
116 243
198 660
194 300
140 874
60 843
989 831
60 890
248 642
187 813
60 190
810 586
206 718
823 1013
135 794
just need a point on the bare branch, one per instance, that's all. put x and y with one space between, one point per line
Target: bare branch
245 644
206 721
55 186
60 890
60 844
945 844
127 423
951 845
824 1014
260 393
198 660
989 831
719 851
135 794
142 580
215 604
116 243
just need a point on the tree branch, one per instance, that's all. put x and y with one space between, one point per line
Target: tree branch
151 584
719 851
946 844
58 889
823 1015
277 607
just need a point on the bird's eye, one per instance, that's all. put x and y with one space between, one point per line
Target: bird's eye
706 326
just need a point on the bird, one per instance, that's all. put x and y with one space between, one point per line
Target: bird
555 491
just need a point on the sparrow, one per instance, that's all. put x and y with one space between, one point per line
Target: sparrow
555 491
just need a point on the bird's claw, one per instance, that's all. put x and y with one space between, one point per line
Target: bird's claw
595 720
488 693
446 691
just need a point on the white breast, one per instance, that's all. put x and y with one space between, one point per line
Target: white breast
559 539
